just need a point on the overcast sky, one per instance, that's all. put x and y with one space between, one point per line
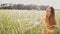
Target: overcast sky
54 3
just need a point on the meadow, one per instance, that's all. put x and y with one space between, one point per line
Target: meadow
23 21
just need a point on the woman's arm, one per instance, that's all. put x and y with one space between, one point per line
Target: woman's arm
42 20
35 25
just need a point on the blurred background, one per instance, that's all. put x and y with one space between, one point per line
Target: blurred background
29 4
23 16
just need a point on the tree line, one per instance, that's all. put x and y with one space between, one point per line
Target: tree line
22 7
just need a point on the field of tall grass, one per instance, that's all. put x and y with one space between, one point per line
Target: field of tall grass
23 21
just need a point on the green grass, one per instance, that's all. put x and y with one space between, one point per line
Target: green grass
17 21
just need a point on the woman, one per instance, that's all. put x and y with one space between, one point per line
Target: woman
50 18
50 21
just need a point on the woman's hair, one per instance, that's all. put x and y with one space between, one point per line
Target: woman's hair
50 20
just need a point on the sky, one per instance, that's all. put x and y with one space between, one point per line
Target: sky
54 3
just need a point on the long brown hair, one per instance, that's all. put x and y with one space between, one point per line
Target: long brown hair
50 20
